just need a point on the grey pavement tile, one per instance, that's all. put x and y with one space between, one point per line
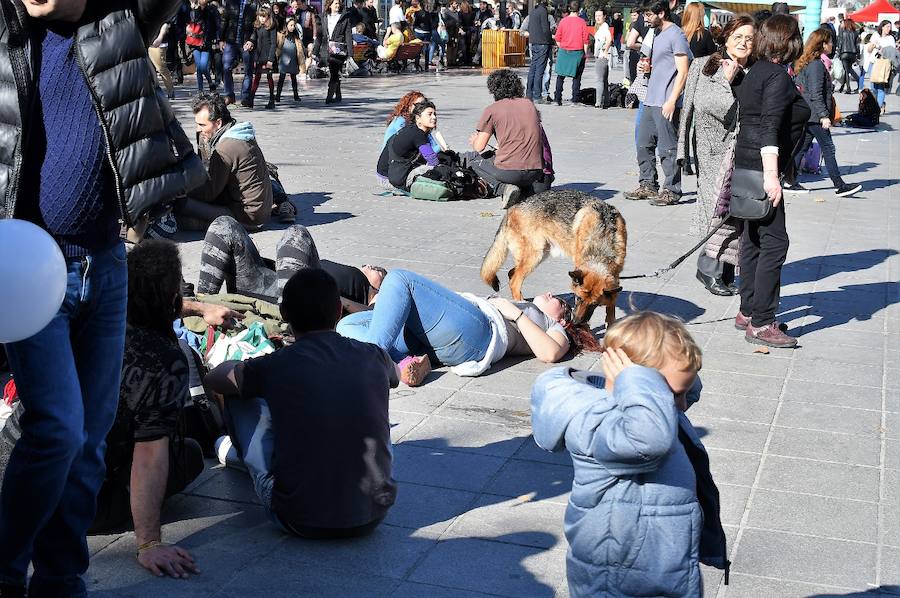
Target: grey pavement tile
732 502
751 586
809 391
273 579
804 514
428 507
227 484
402 422
530 451
892 378
815 349
892 488
892 454
817 477
457 470
733 467
410 589
507 382
800 558
736 407
461 434
500 568
826 446
746 385
730 434
890 524
890 569
829 418
421 399
729 340
539 481
511 411
822 370
892 426
368 555
835 340
749 363
525 522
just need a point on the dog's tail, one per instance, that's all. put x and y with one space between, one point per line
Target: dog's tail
495 257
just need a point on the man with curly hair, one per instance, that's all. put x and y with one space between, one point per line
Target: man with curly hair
513 168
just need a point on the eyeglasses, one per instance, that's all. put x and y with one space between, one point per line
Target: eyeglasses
742 38
567 309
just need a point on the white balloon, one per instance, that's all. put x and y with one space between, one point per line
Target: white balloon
32 279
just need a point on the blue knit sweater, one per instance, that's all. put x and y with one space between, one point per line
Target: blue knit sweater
68 187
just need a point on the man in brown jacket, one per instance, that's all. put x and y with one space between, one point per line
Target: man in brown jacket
238 183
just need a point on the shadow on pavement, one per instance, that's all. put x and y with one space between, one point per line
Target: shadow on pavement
634 301
808 270
873 593
853 302
307 203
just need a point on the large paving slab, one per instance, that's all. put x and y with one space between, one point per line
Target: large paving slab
805 444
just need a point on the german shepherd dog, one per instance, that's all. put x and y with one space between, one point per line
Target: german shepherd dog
557 222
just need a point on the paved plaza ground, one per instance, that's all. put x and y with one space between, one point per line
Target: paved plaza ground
804 444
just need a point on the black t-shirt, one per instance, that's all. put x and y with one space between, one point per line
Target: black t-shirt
423 21
703 44
152 394
328 396
404 155
351 282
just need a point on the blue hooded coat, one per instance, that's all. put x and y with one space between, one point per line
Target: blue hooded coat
636 512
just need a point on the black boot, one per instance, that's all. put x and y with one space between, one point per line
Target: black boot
294 85
715 285
271 103
280 85
337 92
329 99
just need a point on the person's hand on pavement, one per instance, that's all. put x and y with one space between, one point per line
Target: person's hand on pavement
218 315
164 559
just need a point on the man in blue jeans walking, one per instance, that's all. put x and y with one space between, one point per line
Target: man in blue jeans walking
71 179
540 40
237 27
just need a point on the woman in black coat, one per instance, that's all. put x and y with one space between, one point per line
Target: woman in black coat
772 117
814 81
847 51
334 43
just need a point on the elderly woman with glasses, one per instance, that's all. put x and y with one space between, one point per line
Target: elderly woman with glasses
703 132
417 321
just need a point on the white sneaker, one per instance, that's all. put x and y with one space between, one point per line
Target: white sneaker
227 454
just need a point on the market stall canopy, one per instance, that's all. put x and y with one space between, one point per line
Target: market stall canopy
880 9
750 6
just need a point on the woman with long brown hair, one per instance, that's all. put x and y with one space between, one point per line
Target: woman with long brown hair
814 81
847 50
401 116
698 36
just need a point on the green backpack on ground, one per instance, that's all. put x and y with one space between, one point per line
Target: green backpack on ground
431 190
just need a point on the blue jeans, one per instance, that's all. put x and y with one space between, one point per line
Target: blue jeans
249 59
437 47
229 59
250 428
426 50
540 53
826 144
68 380
415 315
201 61
862 77
880 88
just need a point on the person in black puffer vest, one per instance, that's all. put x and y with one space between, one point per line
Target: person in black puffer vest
103 150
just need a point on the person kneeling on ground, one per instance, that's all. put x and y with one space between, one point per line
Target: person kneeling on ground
415 316
517 165
409 153
645 512
310 421
238 184
230 257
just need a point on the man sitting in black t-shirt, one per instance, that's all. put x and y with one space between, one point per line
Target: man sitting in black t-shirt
310 421
230 257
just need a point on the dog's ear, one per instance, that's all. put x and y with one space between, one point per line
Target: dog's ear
577 277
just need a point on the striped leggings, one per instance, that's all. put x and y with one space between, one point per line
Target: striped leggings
229 256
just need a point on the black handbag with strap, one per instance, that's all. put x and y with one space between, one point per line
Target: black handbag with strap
749 200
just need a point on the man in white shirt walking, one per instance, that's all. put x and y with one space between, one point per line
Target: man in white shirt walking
602 42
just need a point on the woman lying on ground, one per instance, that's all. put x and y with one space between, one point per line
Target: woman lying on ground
409 153
416 316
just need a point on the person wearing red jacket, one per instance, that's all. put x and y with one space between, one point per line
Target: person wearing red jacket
572 37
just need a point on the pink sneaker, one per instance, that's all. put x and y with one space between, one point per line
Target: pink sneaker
414 370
